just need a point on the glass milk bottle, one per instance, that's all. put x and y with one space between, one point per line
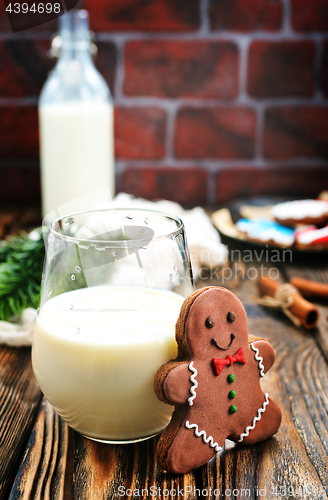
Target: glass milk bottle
76 122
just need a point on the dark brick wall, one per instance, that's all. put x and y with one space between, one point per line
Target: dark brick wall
214 99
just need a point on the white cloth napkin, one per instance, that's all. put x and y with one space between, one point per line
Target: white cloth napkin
20 333
205 247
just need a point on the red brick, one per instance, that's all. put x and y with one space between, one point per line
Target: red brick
187 186
140 15
294 132
181 68
140 133
245 182
324 69
19 137
309 16
280 69
20 183
23 66
216 132
246 15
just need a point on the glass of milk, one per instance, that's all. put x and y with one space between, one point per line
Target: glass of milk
113 284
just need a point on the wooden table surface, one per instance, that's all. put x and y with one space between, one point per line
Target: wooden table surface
42 458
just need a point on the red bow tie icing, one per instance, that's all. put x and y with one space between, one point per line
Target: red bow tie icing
219 364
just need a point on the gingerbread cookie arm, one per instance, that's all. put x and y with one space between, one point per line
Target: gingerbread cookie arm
177 384
264 354
253 338
160 376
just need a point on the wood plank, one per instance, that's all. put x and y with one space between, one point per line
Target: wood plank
7 220
61 464
13 220
319 272
20 397
44 471
125 470
26 220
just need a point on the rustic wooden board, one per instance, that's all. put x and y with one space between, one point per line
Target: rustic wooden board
61 464
319 272
20 397
13 220
7 220
26 219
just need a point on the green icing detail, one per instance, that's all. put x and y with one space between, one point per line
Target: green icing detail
232 394
232 409
231 378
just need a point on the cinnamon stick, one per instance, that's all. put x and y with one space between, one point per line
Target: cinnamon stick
306 312
310 289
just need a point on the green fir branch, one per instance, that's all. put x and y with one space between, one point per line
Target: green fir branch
21 264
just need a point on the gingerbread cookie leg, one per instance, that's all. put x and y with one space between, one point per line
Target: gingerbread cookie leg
264 425
191 449
168 435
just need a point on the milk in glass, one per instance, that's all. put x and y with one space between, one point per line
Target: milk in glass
95 353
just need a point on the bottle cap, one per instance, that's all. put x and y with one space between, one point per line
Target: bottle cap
74 26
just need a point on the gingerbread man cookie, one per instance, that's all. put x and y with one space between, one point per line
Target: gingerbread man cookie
214 383
301 212
266 231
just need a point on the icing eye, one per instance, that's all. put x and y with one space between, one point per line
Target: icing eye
231 316
210 322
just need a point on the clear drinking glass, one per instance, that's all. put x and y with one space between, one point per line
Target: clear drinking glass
113 284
